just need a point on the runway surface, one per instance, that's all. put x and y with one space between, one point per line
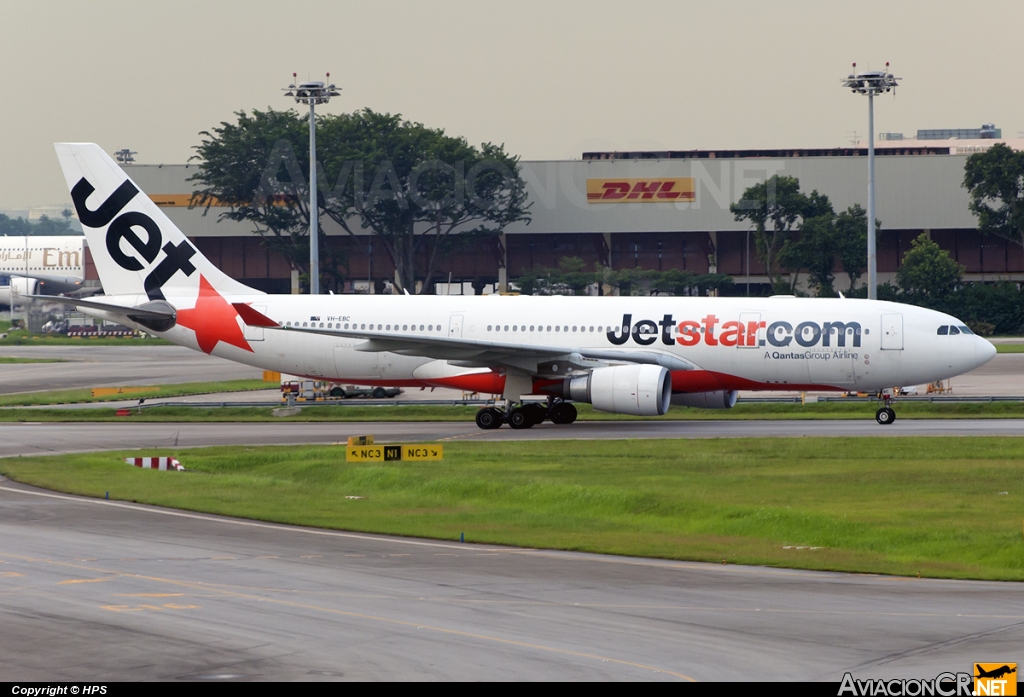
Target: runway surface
95 590
41 438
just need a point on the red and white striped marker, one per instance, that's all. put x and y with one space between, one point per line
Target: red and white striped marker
155 463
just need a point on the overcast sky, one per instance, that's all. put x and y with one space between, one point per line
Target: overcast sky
550 79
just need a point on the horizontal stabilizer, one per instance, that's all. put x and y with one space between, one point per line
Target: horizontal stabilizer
149 312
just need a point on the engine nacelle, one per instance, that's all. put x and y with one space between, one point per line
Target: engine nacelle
20 286
722 399
640 390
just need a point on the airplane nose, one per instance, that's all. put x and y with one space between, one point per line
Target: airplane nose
984 350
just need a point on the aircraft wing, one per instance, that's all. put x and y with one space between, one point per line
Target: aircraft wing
530 358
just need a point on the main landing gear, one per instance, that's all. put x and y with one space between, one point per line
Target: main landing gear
526 415
885 415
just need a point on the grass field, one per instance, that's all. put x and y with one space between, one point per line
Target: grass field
943 507
384 412
1009 348
23 338
85 394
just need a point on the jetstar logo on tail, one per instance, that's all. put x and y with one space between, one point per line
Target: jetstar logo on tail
713 332
123 228
662 190
213 320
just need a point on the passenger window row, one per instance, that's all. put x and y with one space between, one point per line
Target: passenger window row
539 328
371 327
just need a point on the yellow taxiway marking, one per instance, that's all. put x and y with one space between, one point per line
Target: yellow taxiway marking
10 574
355 615
149 595
141 608
83 580
462 435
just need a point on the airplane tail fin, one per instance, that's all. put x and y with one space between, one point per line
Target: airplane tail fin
135 246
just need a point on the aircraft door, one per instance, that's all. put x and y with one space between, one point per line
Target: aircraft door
750 339
892 332
455 327
255 333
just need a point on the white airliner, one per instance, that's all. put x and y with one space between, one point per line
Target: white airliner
626 355
31 264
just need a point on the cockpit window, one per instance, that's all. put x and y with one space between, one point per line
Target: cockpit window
943 330
965 330
954 330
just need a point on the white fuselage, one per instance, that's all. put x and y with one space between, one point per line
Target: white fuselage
57 262
733 343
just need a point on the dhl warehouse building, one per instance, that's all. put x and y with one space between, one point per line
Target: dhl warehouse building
651 210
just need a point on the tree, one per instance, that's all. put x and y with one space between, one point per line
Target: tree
814 250
428 192
45 226
928 274
851 234
14 227
825 239
239 165
421 192
773 207
995 180
571 278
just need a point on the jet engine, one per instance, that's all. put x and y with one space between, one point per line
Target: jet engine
640 390
20 286
721 399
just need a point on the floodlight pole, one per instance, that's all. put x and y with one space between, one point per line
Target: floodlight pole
871 83
872 244
314 210
312 93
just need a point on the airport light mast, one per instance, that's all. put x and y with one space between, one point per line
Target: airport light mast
312 93
871 83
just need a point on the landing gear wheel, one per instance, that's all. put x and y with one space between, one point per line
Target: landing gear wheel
538 412
885 416
562 413
520 418
488 418
379 393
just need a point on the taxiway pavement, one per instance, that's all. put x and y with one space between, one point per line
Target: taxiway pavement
34 438
101 590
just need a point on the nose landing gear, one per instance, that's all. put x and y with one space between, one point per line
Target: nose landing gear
526 415
885 415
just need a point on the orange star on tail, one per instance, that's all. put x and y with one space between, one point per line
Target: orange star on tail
213 320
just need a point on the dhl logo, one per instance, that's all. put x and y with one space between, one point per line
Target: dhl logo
664 190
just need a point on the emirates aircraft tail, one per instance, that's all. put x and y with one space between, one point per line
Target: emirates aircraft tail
136 248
